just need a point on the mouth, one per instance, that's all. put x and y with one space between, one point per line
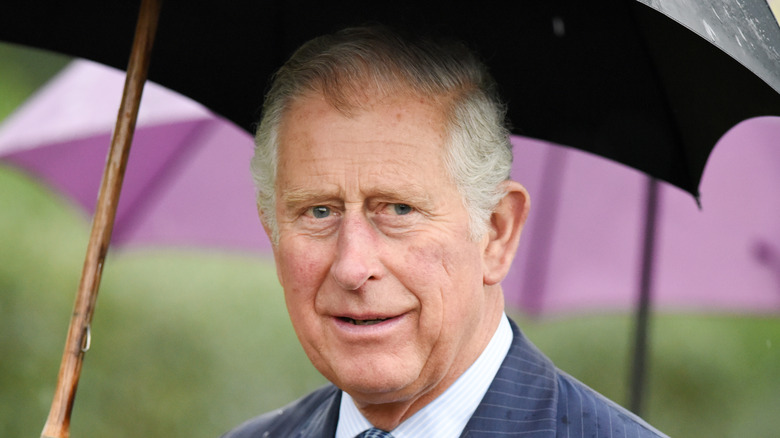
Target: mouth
363 321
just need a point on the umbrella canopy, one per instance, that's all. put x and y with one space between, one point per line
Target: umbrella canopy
582 247
629 80
188 180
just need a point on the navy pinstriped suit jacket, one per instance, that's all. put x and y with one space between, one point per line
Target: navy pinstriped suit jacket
528 398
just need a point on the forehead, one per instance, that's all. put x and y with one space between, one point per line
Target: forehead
395 108
404 136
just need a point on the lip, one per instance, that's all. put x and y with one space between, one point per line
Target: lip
344 326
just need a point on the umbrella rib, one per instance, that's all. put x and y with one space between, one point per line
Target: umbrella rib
644 301
676 131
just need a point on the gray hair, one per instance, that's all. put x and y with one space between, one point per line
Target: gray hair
351 65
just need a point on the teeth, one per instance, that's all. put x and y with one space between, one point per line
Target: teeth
365 321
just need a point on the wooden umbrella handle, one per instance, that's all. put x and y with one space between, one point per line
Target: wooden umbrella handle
77 342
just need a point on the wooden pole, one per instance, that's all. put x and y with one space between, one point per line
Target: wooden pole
78 339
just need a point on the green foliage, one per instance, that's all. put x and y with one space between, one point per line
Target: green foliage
22 71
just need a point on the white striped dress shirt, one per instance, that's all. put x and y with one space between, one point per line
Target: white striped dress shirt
447 415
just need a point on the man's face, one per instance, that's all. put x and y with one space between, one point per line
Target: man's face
383 285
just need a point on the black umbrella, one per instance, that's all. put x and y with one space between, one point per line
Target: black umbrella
620 78
614 77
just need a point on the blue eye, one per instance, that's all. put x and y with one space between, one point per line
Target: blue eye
402 209
320 212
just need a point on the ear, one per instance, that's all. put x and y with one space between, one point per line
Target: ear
261 215
506 225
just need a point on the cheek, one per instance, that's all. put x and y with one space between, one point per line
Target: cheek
301 269
447 282
424 267
446 278
442 263
301 273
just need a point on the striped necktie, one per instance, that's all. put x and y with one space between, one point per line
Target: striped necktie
374 433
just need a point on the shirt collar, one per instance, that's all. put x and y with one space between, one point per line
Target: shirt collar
447 415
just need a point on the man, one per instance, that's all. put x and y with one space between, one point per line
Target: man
382 167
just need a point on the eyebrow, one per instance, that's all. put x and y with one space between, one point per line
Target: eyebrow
407 194
294 197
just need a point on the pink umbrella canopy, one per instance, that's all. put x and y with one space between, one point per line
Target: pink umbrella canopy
188 184
581 249
188 181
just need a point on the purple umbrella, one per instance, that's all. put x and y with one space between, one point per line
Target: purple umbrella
188 181
582 246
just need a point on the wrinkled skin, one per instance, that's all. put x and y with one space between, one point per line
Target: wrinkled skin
390 298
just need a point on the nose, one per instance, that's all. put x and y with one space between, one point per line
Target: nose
357 259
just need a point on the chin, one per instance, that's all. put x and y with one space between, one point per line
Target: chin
378 384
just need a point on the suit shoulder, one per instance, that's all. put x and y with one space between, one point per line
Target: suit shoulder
282 421
582 408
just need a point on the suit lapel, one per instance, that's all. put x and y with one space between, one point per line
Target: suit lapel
522 399
323 419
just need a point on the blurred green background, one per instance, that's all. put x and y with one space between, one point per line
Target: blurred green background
191 343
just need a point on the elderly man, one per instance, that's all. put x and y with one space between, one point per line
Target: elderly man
382 167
